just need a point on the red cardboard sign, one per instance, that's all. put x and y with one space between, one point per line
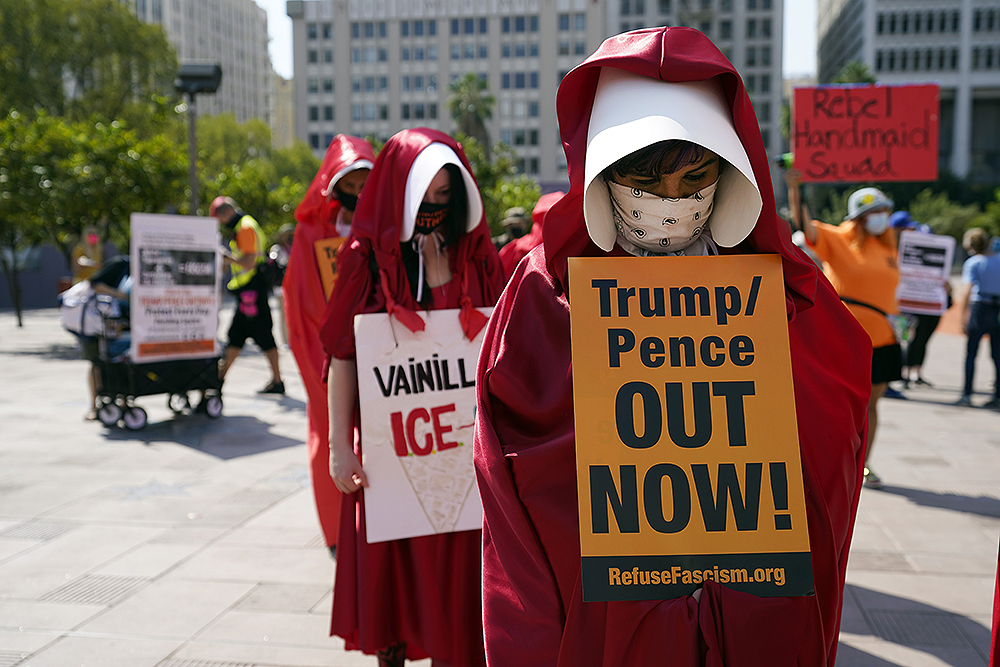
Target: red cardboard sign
867 133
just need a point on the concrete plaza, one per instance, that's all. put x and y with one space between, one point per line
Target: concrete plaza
194 542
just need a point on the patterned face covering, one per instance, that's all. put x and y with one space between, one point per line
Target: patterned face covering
430 217
659 223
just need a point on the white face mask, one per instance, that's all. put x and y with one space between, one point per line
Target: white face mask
657 223
876 223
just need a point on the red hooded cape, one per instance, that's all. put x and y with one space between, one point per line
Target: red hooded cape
425 590
305 302
514 252
533 608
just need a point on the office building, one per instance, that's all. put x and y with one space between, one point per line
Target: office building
374 68
955 43
232 33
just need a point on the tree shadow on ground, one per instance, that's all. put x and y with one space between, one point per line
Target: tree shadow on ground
981 505
952 638
59 351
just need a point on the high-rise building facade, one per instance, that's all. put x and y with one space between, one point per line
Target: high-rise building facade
955 43
373 68
232 33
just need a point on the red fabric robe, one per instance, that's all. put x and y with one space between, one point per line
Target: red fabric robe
305 302
426 590
534 613
514 252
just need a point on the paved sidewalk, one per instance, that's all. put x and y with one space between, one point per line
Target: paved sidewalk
194 542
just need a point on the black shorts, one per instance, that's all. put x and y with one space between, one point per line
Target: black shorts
887 363
252 318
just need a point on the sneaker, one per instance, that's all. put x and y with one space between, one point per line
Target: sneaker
923 382
273 388
993 403
872 481
892 393
965 400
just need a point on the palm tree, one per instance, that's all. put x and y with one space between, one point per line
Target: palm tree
855 71
471 106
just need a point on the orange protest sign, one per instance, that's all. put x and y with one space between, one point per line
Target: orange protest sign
688 463
866 133
326 259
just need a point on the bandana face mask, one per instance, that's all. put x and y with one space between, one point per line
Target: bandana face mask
660 224
350 202
430 217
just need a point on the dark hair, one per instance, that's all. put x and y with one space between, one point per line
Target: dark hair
453 228
649 160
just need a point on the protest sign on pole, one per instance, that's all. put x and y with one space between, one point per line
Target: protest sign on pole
326 259
924 267
176 269
869 133
417 392
688 464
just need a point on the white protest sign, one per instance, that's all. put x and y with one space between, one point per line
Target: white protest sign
924 266
418 405
176 269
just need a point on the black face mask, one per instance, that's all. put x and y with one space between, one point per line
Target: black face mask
350 202
430 217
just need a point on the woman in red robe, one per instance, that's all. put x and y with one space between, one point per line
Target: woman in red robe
534 613
514 252
324 212
419 242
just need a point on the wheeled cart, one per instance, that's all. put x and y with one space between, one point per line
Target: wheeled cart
122 381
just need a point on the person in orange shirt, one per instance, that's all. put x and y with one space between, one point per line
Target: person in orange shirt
859 258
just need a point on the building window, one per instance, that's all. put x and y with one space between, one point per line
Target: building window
454 26
505 137
765 83
484 25
369 84
750 81
954 59
764 112
369 29
469 26
327 85
418 28
975 58
892 24
355 112
519 50
564 47
751 28
356 30
519 24
904 59
533 24
312 56
533 80
328 112
663 6
751 56
533 49
519 80
504 25
917 22
432 83
580 21
484 52
725 29
432 27
469 52
432 52
404 28
532 109
418 53
404 84
404 53
765 28
904 23
505 50
404 112
313 113
533 137
312 32
327 31
751 4
533 166
314 141
564 19
356 84
432 110
312 85
580 48
328 55
765 56
456 51
705 27
765 136
505 80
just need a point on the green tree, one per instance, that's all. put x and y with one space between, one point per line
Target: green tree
854 71
499 183
990 218
222 142
78 58
942 214
471 105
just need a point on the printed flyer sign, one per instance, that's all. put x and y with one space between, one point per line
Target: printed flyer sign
688 464
868 133
924 266
326 259
176 269
418 405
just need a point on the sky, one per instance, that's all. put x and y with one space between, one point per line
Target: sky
799 37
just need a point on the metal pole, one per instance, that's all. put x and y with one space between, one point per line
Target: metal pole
192 154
